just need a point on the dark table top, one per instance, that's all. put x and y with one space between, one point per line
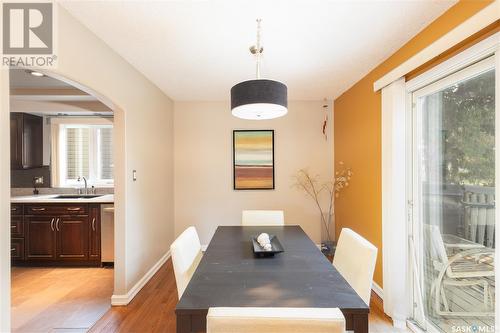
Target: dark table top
229 274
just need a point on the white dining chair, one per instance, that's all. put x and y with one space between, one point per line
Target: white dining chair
262 217
186 255
276 320
355 259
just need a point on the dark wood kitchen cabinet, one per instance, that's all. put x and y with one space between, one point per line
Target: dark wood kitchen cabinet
72 238
58 234
17 233
95 232
40 238
26 141
17 226
17 249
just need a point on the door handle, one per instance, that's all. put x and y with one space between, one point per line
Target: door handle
93 224
57 224
52 224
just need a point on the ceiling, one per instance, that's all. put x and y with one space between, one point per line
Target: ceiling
51 97
197 50
20 78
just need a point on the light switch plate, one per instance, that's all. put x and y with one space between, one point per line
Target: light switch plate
134 175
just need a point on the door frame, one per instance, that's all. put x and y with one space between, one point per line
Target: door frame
468 60
119 158
5 245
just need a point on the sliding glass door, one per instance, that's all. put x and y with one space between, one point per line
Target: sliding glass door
453 166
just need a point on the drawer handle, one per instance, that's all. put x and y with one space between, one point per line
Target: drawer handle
13 209
13 249
13 226
38 209
73 209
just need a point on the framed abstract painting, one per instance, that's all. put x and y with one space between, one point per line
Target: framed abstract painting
253 159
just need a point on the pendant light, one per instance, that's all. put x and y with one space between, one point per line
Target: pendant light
260 98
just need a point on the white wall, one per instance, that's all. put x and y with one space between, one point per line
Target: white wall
4 202
204 195
144 117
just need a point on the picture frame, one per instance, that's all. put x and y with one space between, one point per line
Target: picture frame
253 160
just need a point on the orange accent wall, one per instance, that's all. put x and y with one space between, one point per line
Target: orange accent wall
357 132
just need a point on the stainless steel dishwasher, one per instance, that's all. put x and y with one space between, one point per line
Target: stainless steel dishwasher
107 234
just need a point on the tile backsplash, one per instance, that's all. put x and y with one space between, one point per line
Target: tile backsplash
15 192
24 178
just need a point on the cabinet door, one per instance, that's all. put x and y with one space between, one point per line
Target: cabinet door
16 226
17 249
16 209
95 233
16 140
72 238
40 237
32 141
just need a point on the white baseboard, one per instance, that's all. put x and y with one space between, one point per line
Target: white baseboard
121 300
399 324
413 327
378 290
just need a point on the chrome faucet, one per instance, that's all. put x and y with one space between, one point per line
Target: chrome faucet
86 188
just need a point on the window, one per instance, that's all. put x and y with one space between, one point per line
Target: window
454 198
86 151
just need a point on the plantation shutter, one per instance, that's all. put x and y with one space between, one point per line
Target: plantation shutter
77 150
105 153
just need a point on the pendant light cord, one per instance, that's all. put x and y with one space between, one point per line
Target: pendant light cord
258 51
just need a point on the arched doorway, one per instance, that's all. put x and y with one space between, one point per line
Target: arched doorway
118 157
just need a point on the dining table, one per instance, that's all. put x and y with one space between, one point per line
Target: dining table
230 275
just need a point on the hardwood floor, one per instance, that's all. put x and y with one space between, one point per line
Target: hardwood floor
152 310
73 299
380 323
59 299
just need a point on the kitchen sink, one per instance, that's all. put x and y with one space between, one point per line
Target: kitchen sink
78 196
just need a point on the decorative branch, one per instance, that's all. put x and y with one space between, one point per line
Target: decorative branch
313 188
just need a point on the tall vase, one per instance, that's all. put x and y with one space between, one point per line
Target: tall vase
327 235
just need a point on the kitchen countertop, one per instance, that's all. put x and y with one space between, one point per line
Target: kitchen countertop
106 198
